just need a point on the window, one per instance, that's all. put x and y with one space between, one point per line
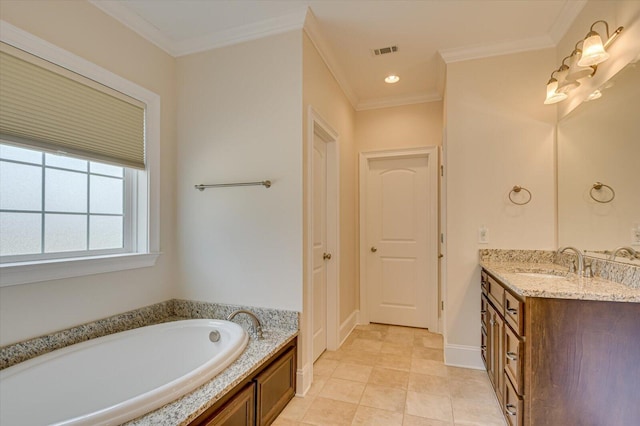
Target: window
65 216
53 206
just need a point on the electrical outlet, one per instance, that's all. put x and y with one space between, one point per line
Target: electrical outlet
483 235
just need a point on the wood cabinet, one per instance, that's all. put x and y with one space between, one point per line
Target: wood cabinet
561 361
258 399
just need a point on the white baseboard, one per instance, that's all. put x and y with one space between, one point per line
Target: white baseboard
348 325
304 377
463 356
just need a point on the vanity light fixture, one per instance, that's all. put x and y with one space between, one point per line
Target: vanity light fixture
593 50
565 85
391 79
553 96
583 63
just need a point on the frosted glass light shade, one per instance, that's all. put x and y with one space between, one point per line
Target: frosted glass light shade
592 50
564 85
552 95
576 71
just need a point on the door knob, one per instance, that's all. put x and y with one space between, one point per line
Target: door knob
326 256
373 249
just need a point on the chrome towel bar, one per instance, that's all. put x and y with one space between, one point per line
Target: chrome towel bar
265 183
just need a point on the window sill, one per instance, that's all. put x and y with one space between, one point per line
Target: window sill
31 272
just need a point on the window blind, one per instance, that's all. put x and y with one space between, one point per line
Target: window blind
52 108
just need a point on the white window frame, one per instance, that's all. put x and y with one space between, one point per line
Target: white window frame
147 203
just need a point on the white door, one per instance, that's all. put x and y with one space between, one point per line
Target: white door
400 289
320 255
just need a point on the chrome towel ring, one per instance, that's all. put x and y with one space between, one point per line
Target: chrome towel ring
597 187
517 189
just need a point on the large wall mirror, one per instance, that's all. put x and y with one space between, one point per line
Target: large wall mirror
599 144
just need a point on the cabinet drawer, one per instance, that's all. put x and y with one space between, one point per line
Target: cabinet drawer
514 312
514 359
513 406
496 293
484 347
484 282
484 311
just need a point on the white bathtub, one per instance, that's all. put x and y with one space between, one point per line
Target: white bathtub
112 379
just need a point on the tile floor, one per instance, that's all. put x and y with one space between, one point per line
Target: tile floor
393 376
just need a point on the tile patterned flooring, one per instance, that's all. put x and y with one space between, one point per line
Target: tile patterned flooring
393 376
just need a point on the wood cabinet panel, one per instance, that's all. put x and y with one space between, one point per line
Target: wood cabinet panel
275 388
513 406
514 313
239 411
514 359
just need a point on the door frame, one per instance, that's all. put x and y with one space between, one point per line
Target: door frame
316 124
431 152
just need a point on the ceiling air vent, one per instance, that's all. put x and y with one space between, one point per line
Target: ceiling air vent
385 50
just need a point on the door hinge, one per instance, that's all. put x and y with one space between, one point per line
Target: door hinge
441 170
442 238
441 305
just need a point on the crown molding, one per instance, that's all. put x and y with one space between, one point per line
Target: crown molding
496 49
394 101
567 15
292 21
268 27
312 28
134 22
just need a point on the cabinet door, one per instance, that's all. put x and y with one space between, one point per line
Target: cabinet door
275 388
239 411
484 327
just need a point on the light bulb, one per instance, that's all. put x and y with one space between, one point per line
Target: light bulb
391 79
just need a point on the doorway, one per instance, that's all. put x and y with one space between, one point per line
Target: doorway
323 256
398 237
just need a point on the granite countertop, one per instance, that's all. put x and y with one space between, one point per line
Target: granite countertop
187 408
565 286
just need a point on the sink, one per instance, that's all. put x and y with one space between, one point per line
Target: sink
541 275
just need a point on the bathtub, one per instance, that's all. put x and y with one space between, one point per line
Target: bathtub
115 378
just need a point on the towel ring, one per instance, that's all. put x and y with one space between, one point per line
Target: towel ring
517 189
598 186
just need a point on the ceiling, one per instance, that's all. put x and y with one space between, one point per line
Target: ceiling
428 33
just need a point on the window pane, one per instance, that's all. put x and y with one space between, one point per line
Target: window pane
105 169
105 232
20 233
20 186
65 191
65 232
65 162
106 195
9 152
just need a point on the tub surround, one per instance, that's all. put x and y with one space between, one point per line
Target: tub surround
279 328
612 281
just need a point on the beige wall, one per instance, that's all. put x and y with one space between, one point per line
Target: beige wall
407 126
240 120
30 310
499 134
322 92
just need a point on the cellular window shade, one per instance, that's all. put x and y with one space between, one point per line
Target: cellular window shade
46 106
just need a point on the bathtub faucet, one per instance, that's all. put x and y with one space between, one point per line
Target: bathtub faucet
256 322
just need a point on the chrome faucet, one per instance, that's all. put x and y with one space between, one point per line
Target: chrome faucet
254 319
629 250
580 268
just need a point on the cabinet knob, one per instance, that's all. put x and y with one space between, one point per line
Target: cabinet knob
326 256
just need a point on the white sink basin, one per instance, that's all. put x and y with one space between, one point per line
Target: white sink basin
540 275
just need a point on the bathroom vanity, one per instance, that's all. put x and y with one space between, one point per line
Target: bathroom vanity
560 349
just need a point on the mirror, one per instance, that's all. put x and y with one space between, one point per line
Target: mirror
598 170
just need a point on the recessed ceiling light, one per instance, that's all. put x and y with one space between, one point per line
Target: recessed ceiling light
391 79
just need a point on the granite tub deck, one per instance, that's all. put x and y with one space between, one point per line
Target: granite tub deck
279 328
